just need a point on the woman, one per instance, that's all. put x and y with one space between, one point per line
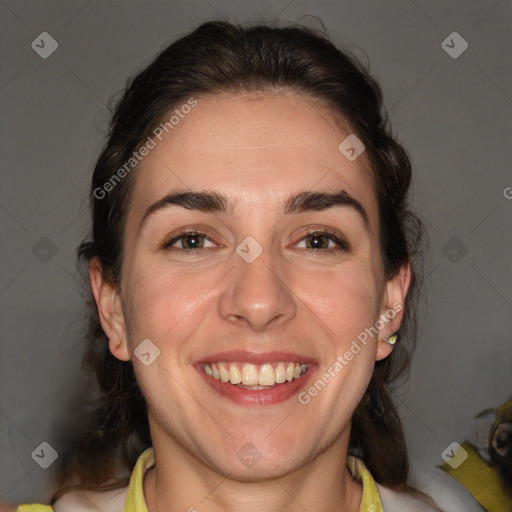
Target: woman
254 274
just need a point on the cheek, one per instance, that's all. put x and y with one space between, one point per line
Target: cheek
346 299
162 301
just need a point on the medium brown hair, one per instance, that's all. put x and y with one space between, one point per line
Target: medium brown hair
227 57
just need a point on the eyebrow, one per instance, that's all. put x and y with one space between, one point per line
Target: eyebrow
215 202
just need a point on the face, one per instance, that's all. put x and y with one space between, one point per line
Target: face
247 291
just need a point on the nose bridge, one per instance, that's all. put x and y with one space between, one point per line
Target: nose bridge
257 292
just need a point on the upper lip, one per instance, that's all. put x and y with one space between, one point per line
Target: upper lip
254 357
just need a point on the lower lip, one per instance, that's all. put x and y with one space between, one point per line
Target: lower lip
258 397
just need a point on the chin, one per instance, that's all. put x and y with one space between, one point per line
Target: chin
257 460
263 469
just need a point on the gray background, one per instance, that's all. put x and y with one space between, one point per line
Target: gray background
453 116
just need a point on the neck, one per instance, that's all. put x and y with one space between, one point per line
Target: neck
179 482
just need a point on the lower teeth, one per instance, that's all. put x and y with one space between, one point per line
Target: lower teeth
253 387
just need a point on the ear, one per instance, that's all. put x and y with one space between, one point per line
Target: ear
392 309
108 301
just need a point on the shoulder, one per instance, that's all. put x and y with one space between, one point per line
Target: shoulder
401 501
443 494
78 501
114 500
92 501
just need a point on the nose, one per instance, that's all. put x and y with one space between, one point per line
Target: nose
257 293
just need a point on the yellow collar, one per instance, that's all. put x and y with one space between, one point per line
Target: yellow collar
135 502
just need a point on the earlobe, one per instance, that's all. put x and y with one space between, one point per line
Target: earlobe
392 310
384 349
110 311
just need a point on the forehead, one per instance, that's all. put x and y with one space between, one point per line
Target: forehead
255 148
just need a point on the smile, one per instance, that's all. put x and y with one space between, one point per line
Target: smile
252 376
257 379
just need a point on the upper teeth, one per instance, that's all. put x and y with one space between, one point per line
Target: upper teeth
248 374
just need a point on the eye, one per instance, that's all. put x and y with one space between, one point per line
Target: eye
320 241
193 239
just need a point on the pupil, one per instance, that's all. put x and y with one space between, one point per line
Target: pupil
317 244
193 237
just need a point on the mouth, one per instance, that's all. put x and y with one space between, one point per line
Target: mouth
256 379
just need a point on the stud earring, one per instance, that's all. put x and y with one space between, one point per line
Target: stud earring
392 339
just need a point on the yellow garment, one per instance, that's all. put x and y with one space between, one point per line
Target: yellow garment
135 502
482 481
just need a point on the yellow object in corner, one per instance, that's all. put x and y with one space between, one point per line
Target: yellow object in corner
482 481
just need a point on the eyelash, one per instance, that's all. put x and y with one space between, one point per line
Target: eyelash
342 245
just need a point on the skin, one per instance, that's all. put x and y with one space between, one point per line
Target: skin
256 149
